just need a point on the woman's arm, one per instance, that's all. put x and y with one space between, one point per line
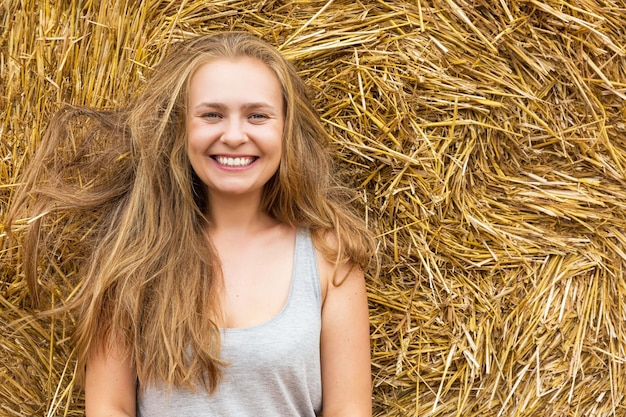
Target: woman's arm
110 385
345 346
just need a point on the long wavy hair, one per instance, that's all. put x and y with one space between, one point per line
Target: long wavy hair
147 283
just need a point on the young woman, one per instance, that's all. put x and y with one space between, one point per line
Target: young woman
226 278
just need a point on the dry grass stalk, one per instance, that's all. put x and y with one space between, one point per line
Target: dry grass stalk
486 140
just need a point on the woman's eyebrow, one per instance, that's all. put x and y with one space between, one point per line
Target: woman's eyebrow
258 105
211 105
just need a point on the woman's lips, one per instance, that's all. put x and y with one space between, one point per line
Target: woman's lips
234 161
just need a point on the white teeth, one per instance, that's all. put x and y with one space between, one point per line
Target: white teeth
234 162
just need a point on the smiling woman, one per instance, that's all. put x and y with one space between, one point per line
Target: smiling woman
235 126
227 277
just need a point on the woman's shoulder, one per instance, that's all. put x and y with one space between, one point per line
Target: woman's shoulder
334 269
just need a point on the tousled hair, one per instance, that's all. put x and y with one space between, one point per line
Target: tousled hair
148 285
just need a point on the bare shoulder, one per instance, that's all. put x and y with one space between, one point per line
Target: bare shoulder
338 277
336 273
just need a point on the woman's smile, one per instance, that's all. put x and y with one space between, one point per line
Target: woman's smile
234 161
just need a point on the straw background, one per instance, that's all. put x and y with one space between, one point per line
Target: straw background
487 140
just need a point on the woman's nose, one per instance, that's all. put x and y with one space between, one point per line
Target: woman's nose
234 134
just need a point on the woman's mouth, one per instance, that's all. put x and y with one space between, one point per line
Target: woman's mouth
234 162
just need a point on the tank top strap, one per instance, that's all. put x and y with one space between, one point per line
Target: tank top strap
306 282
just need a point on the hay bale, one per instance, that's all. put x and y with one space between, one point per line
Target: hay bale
485 138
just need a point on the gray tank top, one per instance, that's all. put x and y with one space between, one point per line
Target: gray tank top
274 367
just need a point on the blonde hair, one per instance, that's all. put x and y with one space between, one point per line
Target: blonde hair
147 282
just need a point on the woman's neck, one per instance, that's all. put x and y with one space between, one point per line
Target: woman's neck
237 214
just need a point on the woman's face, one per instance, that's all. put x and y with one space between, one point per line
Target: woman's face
235 125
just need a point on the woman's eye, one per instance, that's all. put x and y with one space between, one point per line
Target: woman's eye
210 115
258 116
